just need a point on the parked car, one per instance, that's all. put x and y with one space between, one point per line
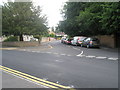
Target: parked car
63 39
90 42
80 40
68 41
76 40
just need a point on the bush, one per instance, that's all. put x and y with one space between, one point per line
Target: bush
11 39
36 36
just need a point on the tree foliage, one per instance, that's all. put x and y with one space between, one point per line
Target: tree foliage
22 18
90 18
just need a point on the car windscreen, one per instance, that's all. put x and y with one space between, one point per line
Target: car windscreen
82 38
70 39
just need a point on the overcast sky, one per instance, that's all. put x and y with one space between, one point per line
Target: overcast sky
52 9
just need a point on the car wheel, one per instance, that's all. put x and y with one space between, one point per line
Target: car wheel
88 46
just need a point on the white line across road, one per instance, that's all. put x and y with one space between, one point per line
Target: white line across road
62 54
79 55
101 57
90 56
113 58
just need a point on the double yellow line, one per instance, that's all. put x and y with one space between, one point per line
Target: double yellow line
8 48
35 79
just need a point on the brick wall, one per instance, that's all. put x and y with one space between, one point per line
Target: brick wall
20 44
107 40
26 43
44 39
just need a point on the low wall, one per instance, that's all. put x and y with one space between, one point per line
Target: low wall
44 39
107 40
26 43
20 44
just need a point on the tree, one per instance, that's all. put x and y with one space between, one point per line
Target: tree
90 19
70 25
23 18
110 17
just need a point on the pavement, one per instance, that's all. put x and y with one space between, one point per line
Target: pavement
66 65
13 81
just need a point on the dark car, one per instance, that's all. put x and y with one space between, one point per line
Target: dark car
68 41
90 42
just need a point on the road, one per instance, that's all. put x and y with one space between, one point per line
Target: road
67 65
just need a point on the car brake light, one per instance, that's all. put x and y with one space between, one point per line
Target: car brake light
80 41
90 42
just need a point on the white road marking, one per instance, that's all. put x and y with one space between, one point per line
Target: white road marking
80 53
71 86
113 58
57 82
58 61
101 57
62 54
90 56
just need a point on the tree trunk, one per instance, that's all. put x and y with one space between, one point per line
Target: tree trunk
21 37
39 40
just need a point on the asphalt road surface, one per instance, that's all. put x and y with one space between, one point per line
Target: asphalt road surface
67 65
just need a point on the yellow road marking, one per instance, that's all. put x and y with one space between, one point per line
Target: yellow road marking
7 48
44 82
35 77
29 78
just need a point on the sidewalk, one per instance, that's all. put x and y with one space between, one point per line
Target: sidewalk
11 81
109 49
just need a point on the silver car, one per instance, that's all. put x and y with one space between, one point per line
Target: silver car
90 42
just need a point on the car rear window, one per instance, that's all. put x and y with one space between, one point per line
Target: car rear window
94 39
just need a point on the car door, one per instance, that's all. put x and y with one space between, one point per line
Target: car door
83 42
87 41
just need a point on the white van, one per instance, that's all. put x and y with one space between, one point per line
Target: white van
76 39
